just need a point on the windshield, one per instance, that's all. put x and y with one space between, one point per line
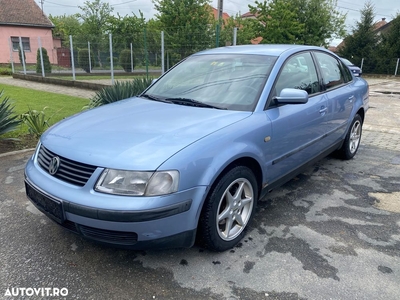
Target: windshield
229 81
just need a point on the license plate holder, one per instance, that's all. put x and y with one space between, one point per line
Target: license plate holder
50 207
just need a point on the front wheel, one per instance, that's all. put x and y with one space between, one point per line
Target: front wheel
228 209
352 140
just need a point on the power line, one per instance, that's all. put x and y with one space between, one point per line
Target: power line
123 3
77 6
65 5
357 10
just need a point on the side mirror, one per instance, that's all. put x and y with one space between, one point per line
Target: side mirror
292 96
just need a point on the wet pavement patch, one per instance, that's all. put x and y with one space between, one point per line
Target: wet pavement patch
311 259
385 270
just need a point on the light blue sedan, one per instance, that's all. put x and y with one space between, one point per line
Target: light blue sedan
189 158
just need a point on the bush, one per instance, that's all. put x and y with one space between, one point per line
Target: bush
46 62
120 90
115 61
125 60
20 56
5 71
83 60
8 121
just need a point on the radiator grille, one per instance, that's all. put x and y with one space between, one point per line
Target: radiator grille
70 171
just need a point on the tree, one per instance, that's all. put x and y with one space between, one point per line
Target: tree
66 26
388 50
363 40
322 21
153 41
277 22
311 22
186 24
245 31
126 30
95 18
46 61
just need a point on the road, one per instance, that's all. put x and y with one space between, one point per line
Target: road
333 232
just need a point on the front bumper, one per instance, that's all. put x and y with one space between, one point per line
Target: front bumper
145 222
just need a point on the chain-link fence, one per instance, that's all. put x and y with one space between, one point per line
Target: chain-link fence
143 52
379 65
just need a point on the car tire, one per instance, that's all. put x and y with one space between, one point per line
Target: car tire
352 140
228 209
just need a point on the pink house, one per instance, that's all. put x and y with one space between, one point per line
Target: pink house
25 19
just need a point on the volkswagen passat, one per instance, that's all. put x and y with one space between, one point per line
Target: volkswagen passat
192 154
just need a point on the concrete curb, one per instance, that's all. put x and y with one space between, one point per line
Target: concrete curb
63 82
16 152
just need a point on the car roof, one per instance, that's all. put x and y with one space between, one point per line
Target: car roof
266 49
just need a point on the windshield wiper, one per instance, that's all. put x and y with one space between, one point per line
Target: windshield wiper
151 97
191 102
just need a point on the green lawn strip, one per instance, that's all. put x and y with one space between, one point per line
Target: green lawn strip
57 106
95 77
99 77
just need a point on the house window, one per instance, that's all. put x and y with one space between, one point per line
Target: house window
26 45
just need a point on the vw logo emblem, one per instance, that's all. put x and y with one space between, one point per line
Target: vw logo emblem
54 165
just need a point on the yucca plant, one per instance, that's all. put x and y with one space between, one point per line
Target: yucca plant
36 121
120 90
8 121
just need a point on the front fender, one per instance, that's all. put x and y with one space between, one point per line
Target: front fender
201 163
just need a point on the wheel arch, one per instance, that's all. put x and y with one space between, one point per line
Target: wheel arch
361 112
246 161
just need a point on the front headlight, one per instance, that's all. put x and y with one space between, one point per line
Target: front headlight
135 183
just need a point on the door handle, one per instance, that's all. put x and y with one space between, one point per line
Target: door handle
323 110
351 98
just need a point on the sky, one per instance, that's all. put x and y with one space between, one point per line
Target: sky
383 8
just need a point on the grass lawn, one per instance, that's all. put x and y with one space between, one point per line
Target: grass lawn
93 76
57 106
96 77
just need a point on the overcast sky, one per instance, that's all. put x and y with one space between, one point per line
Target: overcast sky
383 8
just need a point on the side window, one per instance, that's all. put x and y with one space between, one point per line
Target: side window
332 75
347 74
298 72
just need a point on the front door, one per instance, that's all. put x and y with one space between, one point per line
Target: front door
298 130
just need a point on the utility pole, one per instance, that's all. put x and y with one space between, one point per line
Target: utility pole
220 9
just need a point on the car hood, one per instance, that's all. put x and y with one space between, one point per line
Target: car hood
134 134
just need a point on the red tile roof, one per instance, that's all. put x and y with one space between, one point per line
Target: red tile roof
225 16
250 15
22 13
379 24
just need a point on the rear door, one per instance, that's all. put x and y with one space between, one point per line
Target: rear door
338 84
